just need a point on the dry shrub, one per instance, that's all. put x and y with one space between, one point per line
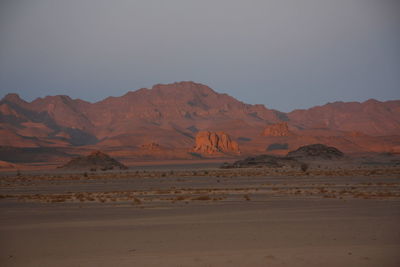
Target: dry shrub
137 201
162 192
180 198
204 197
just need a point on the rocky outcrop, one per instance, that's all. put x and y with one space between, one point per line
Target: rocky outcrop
316 151
96 160
215 142
278 129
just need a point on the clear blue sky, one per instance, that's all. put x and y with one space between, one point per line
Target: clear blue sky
286 54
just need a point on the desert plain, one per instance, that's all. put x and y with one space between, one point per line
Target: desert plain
199 133
342 214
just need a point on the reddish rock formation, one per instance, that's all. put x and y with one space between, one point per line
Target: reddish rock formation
214 142
278 129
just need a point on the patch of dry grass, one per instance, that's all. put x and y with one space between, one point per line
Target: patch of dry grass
203 198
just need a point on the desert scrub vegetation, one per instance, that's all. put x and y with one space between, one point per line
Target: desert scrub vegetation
137 201
304 167
182 175
203 197
161 191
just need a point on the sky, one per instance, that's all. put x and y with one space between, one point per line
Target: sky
285 54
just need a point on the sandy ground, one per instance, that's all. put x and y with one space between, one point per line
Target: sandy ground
183 220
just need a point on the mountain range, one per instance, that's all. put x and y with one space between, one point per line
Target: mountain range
162 122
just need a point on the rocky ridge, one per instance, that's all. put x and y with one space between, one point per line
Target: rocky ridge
171 115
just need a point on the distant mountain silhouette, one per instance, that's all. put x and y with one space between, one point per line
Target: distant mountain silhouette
171 115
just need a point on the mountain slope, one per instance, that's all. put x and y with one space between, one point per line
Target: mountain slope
371 117
170 115
163 113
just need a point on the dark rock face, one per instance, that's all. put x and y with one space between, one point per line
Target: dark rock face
96 160
264 161
316 151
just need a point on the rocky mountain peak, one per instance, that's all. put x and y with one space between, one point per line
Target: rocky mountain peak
13 98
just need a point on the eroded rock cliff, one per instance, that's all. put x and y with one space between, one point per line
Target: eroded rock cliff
215 142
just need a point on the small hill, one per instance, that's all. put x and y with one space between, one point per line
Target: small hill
316 151
96 160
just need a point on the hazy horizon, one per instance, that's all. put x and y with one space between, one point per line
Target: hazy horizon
284 54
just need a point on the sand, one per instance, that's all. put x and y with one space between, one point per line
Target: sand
284 221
